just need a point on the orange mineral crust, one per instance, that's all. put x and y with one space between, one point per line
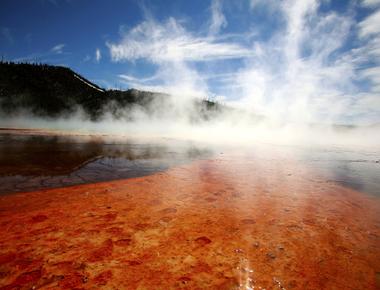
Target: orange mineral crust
227 223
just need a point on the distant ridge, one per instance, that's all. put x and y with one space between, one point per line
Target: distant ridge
53 91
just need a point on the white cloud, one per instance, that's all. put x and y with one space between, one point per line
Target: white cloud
130 78
218 20
370 3
271 5
373 75
370 25
305 72
98 55
172 77
368 56
368 103
298 76
172 49
58 48
171 42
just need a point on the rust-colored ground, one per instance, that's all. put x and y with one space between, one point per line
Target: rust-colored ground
227 223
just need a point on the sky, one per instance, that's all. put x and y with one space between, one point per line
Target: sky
295 60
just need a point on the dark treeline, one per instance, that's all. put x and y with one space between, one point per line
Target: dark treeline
53 91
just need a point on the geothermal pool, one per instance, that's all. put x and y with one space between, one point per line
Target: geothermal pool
32 160
92 212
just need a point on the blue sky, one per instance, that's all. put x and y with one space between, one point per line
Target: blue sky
307 59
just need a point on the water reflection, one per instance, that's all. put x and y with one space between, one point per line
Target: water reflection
30 162
34 162
357 169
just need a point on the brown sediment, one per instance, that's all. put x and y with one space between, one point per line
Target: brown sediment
227 223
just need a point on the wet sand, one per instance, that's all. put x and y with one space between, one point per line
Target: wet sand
226 223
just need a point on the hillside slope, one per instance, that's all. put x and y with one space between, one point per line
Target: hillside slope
52 91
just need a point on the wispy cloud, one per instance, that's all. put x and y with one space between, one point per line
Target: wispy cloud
301 73
6 34
371 3
170 41
55 55
58 48
371 25
282 82
218 20
308 70
172 49
130 78
86 58
98 55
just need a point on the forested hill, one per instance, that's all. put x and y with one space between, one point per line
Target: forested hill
53 91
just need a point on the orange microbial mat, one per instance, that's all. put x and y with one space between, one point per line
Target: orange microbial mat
229 222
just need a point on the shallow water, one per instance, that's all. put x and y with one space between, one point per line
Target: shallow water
264 217
357 168
236 221
32 162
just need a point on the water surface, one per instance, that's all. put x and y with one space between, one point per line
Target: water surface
34 161
31 162
253 217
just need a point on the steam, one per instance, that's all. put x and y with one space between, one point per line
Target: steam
229 128
318 69
307 71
